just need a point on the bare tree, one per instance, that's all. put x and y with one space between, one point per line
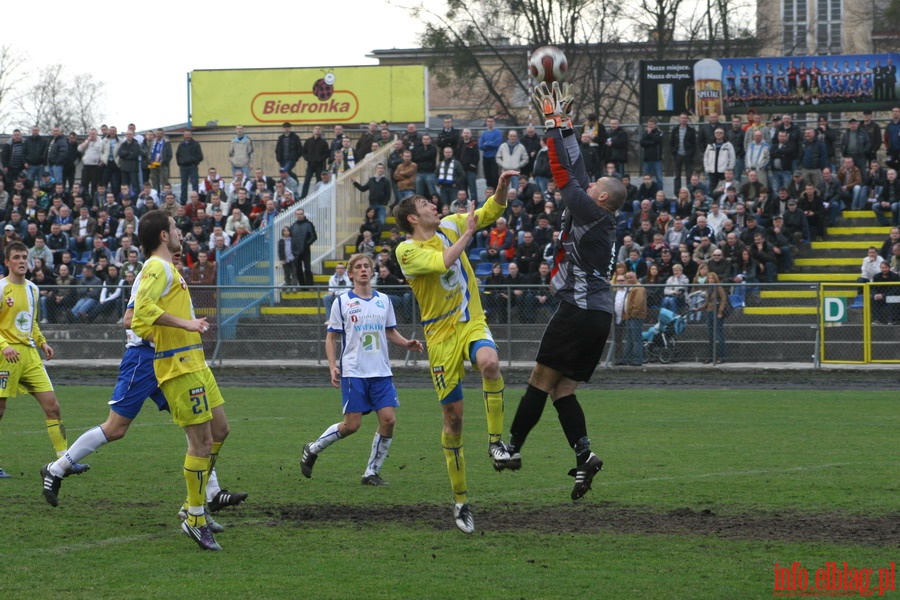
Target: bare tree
54 100
10 76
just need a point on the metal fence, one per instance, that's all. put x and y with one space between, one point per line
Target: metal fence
769 325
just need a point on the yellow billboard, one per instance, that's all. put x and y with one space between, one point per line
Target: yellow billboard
311 95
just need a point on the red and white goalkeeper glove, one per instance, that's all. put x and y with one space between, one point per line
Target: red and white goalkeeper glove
555 104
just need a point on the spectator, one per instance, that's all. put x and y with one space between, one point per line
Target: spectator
129 155
544 298
634 314
871 266
304 236
782 155
405 175
762 252
529 256
35 154
450 176
338 283
675 291
654 281
715 304
617 146
63 299
850 179
288 150
883 310
88 291
512 156
110 306
757 156
888 244
683 145
489 143
500 246
240 151
494 295
188 156
718 156
812 206
888 200
159 157
796 224
873 131
468 154
735 136
778 238
855 144
518 294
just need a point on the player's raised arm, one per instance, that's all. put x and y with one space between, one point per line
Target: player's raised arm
564 153
459 246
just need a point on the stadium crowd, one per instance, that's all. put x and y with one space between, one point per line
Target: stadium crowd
748 197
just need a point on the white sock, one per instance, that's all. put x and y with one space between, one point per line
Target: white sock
87 442
212 486
380 446
328 437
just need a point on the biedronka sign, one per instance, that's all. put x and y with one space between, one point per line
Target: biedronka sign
312 95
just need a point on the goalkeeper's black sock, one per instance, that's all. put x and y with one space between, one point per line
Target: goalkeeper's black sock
571 417
531 407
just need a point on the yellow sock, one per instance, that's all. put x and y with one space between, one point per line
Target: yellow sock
57 432
456 466
195 469
214 454
493 407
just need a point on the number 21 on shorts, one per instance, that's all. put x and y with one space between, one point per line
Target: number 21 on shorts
199 403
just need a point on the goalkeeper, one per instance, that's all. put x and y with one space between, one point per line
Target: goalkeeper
573 341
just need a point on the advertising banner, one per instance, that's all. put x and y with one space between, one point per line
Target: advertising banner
312 95
853 82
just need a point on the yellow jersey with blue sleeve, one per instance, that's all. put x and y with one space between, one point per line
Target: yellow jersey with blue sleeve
445 296
19 314
162 289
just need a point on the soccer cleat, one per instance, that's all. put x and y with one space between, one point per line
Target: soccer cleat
502 459
4 474
51 485
515 460
77 469
213 525
462 514
374 480
584 475
225 498
307 461
202 535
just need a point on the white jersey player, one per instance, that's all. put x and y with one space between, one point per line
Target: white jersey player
364 321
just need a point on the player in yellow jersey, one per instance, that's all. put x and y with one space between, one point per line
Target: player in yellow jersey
20 336
438 270
163 311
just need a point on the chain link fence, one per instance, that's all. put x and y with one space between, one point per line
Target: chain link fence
766 324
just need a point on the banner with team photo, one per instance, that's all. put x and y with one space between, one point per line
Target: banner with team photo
311 95
854 82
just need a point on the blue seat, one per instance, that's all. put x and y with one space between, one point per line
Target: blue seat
474 254
483 269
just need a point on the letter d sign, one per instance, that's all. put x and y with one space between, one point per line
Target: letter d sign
835 310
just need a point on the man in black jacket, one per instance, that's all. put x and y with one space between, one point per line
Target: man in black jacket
288 150
57 151
188 156
683 145
315 153
35 154
303 236
379 189
130 156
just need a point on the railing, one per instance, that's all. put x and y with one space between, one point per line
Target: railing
335 210
770 324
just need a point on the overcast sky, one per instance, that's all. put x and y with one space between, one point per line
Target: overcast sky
143 52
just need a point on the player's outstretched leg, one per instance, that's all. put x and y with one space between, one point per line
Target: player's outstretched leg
588 464
528 414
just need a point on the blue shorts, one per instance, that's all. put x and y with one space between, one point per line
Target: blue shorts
136 383
368 394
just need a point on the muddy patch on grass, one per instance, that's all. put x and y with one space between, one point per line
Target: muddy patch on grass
586 518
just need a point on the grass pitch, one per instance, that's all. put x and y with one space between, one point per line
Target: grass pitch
703 491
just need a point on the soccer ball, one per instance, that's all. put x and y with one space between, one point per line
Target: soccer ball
548 63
